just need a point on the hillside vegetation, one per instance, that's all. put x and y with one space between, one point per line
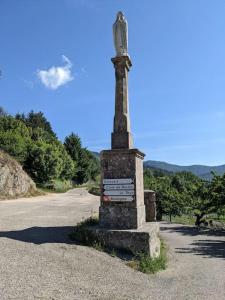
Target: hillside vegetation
184 193
31 140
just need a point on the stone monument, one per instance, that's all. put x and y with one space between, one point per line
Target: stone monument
122 218
122 191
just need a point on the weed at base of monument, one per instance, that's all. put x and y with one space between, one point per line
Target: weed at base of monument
144 263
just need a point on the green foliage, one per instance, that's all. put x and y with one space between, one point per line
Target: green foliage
43 162
186 194
37 121
58 186
146 264
87 165
73 146
46 162
14 137
31 140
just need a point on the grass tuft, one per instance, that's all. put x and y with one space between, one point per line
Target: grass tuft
146 264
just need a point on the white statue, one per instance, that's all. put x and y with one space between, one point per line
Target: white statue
120 35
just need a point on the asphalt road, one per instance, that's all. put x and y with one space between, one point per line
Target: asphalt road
38 261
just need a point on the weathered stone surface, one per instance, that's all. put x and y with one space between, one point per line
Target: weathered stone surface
120 217
145 239
122 164
150 205
14 182
121 136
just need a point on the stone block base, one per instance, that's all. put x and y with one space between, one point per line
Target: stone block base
145 240
120 217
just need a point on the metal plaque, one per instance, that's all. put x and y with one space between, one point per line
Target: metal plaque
118 198
119 193
118 181
119 187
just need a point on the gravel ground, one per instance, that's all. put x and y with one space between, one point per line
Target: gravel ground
38 261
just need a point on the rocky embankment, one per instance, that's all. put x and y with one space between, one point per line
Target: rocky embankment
14 182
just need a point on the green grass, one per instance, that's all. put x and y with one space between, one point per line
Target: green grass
57 186
184 219
190 220
145 264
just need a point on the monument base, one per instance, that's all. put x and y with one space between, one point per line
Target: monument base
143 240
122 204
120 217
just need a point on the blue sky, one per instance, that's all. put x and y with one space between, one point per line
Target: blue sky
55 57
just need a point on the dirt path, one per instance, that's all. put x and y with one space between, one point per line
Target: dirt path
38 261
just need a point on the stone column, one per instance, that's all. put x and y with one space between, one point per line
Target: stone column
121 136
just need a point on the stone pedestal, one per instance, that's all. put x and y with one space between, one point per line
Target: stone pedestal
150 205
143 240
122 204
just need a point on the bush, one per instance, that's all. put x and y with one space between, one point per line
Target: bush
58 186
43 162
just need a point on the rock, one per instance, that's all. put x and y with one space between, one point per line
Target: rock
14 182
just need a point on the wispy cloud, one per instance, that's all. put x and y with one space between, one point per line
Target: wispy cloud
55 77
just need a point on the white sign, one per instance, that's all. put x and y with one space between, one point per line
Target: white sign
118 181
119 187
119 193
118 198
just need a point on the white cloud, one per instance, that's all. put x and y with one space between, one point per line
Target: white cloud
55 77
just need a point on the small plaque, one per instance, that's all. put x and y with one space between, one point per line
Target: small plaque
118 198
119 193
119 186
118 181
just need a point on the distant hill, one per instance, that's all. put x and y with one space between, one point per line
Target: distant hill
200 170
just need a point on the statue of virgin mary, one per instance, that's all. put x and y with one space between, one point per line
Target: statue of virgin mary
120 35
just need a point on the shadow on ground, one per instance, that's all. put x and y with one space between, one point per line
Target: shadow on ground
192 231
41 235
206 247
209 248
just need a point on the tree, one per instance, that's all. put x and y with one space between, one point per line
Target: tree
43 162
14 137
87 166
73 146
216 192
14 144
38 123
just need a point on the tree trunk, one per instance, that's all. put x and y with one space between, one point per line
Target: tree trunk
199 220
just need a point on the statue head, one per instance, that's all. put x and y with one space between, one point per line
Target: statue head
120 16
